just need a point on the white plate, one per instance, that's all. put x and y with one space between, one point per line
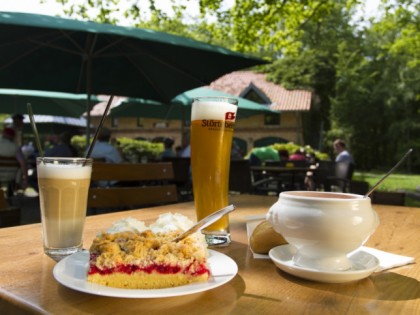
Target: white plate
71 272
364 264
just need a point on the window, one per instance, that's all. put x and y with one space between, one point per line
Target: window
271 119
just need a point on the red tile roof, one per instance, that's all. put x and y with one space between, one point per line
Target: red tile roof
237 82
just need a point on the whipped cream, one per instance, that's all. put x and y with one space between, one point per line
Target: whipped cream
127 225
166 222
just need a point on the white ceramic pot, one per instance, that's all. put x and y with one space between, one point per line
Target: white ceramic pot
323 226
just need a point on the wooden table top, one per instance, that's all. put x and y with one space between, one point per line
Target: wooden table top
27 284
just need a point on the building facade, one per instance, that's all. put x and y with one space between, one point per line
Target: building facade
258 130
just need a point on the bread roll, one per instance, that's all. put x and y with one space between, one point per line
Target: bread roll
264 238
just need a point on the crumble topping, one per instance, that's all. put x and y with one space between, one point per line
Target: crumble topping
145 248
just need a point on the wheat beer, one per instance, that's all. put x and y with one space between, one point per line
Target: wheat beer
212 123
63 191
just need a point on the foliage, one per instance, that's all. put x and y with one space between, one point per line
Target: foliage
79 143
293 147
365 77
139 150
133 150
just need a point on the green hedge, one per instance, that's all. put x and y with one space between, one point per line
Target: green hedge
132 150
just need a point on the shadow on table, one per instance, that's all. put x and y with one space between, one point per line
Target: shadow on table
381 286
200 303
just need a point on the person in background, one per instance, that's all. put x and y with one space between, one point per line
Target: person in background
28 149
168 150
342 154
259 155
186 148
63 147
236 152
8 148
284 155
178 151
17 126
103 149
298 155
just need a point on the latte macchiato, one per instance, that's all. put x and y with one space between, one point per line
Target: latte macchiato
63 190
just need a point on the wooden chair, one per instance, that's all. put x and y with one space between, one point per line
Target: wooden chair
182 176
359 187
340 181
242 181
9 169
9 216
138 185
388 198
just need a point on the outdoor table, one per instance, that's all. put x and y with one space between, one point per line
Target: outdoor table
293 176
27 284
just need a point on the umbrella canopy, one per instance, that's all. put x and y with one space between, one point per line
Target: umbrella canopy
43 103
52 125
56 54
180 106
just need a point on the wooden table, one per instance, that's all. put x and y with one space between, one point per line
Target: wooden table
292 177
27 284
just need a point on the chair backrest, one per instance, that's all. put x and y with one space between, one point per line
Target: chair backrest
358 187
138 185
344 170
388 198
9 167
181 167
295 163
240 178
275 163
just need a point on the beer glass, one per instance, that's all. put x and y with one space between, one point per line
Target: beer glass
212 123
63 192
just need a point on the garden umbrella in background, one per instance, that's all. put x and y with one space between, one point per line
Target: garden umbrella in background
52 125
43 103
180 106
55 54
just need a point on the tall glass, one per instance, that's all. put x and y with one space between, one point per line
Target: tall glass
212 123
63 192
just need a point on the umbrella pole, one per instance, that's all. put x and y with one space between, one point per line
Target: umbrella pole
89 96
88 120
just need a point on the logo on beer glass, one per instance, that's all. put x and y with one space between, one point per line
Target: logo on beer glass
230 116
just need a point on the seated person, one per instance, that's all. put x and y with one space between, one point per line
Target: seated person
168 150
284 155
62 148
8 148
103 149
298 155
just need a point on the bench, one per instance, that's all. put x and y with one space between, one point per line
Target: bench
137 185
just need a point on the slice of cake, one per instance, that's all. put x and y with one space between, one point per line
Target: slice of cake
131 255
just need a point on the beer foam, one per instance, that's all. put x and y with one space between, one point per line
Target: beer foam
212 110
61 171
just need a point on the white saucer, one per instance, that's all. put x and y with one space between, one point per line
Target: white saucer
364 264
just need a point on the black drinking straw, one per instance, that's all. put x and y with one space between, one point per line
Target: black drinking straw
35 130
389 172
92 144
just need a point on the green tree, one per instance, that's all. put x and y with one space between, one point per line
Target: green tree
365 77
377 96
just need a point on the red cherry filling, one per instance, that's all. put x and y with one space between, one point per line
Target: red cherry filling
163 269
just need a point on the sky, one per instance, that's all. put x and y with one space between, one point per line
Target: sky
51 7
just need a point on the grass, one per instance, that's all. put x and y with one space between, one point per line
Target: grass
393 182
